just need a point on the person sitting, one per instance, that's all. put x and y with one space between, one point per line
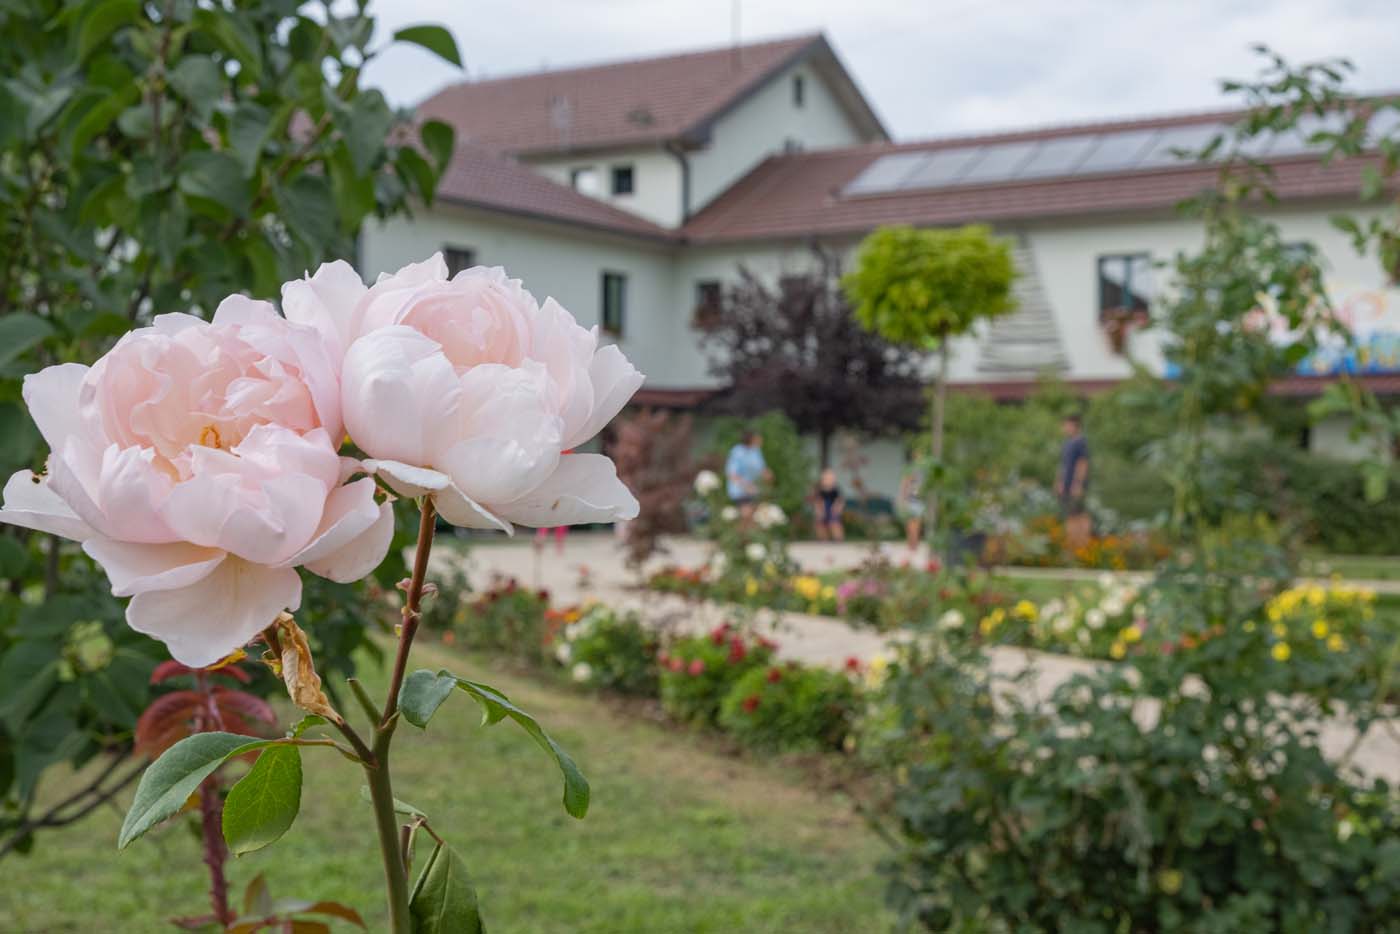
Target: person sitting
829 504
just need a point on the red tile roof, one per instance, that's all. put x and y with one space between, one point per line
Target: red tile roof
649 100
480 178
801 194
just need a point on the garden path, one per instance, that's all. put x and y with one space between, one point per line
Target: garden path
591 567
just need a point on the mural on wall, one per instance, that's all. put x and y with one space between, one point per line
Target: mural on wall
1373 317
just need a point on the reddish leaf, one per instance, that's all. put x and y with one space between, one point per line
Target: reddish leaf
309 927
169 719
337 910
243 704
169 669
234 672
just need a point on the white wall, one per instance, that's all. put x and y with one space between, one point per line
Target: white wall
761 125
656 180
552 260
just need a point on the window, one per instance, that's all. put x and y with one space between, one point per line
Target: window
799 91
622 180
1125 284
458 258
614 302
708 295
585 179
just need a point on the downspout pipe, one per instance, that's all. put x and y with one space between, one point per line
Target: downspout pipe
676 150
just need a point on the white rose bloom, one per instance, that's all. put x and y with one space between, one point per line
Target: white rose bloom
1095 618
729 513
769 515
706 482
581 672
1063 623
952 619
564 652
1106 580
718 562
755 551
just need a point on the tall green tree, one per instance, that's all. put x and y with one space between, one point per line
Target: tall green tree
156 157
921 288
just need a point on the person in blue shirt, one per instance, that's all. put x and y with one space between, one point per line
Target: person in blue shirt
743 471
1072 482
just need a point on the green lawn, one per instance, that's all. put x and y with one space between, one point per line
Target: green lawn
1354 567
678 839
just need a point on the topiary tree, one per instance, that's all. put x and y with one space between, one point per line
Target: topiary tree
921 288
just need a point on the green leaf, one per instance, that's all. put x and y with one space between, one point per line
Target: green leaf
1371 183
234 35
104 19
199 81
19 331
443 900
247 133
435 39
438 138
413 167
216 177
422 694
309 210
171 779
400 807
354 191
365 126
264 803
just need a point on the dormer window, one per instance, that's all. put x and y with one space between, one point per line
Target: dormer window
799 91
623 180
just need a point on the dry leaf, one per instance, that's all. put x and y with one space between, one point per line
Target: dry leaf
298 672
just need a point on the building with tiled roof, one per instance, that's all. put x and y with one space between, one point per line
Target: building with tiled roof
630 190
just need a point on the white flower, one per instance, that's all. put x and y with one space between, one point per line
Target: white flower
729 513
581 672
952 619
718 562
755 552
1063 623
1083 637
1106 580
1095 618
564 652
706 482
769 515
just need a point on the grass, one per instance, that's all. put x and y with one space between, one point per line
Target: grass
1354 567
679 839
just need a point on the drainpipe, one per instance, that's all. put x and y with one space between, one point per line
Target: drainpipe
675 150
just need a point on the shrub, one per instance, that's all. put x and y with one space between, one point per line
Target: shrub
1181 791
790 707
605 649
783 451
509 619
698 671
450 608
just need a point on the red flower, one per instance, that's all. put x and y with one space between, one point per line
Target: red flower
775 675
697 667
675 664
719 634
933 566
768 644
751 703
852 664
737 650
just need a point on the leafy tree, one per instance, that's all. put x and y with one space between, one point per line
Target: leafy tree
921 288
156 157
798 349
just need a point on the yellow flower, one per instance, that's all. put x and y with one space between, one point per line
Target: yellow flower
1025 610
1316 596
991 621
807 587
1280 630
750 586
1320 629
1117 650
1130 634
876 669
1281 652
1169 881
1335 642
828 592
1249 625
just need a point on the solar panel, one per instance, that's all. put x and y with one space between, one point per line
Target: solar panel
998 163
1118 152
944 167
886 173
1189 138
1058 156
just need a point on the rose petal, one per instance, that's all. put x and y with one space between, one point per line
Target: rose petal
52 398
135 568
584 488
329 302
350 512
32 504
362 554
615 380
461 510
407 480
397 393
221 612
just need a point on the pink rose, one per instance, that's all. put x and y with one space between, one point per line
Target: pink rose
469 390
197 463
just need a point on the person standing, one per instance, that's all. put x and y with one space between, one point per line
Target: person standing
1072 482
912 506
743 470
829 504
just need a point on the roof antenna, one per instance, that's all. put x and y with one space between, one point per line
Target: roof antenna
737 58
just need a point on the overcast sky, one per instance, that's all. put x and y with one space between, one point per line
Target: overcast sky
930 67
